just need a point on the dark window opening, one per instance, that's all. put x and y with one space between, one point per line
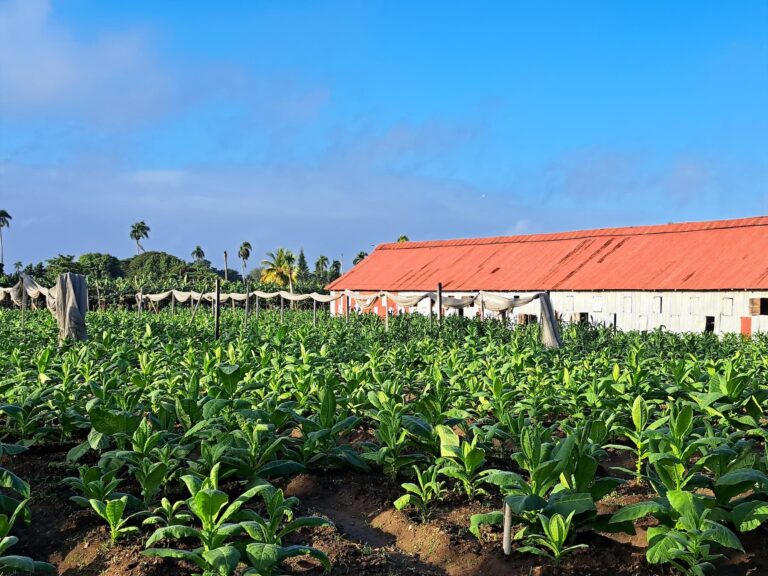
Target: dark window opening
709 325
461 312
758 306
584 318
525 319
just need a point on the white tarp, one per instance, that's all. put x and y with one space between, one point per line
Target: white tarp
68 301
550 332
71 306
226 297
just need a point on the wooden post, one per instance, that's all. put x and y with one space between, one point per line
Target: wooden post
314 312
23 302
247 305
386 313
173 304
431 311
281 308
98 295
194 310
507 541
346 307
257 308
482 308
216 311
226 267
439 302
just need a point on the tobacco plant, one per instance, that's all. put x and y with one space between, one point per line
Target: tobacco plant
423 493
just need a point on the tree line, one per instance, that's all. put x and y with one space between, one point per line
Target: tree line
116 280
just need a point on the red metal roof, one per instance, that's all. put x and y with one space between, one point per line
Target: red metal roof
718 255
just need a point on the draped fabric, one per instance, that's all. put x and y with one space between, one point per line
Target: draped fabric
496 303
550 332
68 301
410 301
28 288
363 300
226 297
71 306
461 302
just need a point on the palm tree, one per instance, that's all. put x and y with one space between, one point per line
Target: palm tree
321 268
403 238
5 222
244 253
138 231
17 267
279 268
359 258
198 254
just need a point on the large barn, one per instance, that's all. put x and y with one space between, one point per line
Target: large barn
702 276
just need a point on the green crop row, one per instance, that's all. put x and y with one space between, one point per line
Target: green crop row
186 436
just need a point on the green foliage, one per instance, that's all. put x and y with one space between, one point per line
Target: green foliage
461 460
99 266
111 511
155 266
552 543
11 564
423 493
154 404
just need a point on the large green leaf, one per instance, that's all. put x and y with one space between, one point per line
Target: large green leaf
637 510
115 509
501 478
111 422
520 503
9 480
222 560
449 442
742 476
661 548
178 554
207 504
722 535
639 413
263 557
477 520
173 533
16 564
564 503
749 515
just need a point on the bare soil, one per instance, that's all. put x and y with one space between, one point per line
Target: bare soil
369 536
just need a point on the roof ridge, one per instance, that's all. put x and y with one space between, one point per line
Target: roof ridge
639 230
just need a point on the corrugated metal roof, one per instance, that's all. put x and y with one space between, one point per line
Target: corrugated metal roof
717 255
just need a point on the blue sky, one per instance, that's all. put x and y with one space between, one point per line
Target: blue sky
335 125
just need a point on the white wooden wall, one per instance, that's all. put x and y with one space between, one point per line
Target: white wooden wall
676 311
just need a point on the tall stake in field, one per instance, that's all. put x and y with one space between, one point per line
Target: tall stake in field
217 311
247 302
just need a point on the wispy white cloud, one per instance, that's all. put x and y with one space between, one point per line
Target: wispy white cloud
113 79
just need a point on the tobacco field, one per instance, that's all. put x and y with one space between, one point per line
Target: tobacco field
288 448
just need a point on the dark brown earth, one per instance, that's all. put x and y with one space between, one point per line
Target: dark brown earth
369 536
